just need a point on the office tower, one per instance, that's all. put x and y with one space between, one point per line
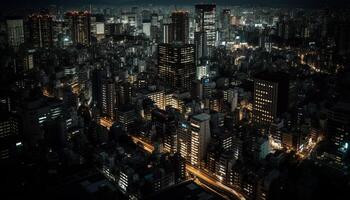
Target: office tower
108 98
97 76
40 30
79 26
205 20
170 141
180 27
176 65
270 97
184 140
15 32
200 138
200 42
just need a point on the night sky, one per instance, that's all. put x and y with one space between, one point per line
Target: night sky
294 3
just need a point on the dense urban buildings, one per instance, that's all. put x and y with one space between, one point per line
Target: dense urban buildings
132 100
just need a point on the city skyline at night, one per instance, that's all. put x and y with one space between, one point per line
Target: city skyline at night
144 100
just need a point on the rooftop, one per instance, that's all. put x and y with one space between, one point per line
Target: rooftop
201 117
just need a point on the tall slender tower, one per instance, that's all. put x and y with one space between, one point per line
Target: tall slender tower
108 98
205 21
200 138
200 42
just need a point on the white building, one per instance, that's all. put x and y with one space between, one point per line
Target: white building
200 138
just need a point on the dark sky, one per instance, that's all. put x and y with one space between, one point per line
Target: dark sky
294 3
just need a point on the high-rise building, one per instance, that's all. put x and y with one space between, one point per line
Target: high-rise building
97 76
170 141
205 20
40 30
177 65
180 27
184 140
200 138
108 98
15 32
80 27
200 42
270 97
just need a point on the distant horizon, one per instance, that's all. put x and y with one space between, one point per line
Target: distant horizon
259 3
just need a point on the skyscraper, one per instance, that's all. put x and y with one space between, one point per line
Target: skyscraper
184 140
79 24
179 27
200 138
108 98
177 64
40 30
97 76
270 97
200 42
15 32
205 21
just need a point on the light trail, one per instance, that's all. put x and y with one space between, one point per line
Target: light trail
146 146
213 182
105 122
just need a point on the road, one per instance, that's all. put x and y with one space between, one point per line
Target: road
196 172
